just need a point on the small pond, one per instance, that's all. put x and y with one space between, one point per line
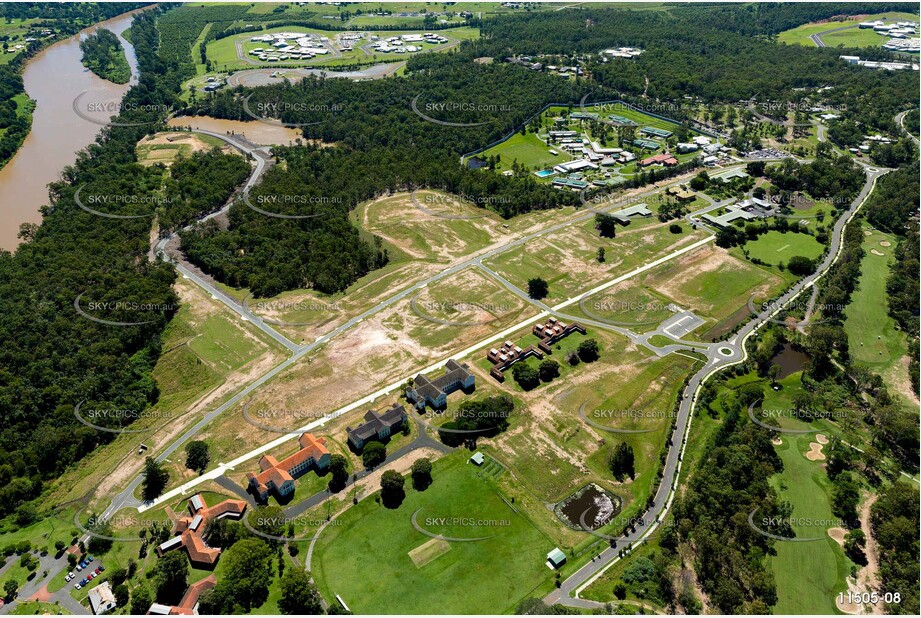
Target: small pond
789 360
592 506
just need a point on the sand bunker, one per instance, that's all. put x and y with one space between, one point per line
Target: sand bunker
837 534
776 441
875 252
885 243
867 233
815 452
821 439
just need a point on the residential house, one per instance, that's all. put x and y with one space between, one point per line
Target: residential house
102 600
624 215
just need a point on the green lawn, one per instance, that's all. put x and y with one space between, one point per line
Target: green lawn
775 247
808 574
528 150
30 608
366 558
628 304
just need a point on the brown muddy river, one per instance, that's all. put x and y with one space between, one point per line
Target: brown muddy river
55 78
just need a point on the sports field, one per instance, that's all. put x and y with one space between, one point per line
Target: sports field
775 247
528 150
376 554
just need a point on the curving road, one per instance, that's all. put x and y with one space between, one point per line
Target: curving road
817 37
567 593
900 121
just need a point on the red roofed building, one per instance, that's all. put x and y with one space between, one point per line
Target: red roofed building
279 476
188 606
188 529
665 159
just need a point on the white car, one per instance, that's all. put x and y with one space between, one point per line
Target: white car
77 586
67 578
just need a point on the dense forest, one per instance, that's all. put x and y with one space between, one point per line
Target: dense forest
731 482
103 55
718 54
14 121
894 521
52 358
199 184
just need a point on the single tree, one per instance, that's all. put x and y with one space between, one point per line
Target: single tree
373 454
10 587
606 225
600 256
299 595
621 461
339 473
538 288
155 479
588 350
525 375
548 370
197 456
140 601
422 473
392 492
121 595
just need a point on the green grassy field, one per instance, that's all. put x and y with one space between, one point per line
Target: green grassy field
528 150
713 285
30 608
14 31
808 574
629 304
852 37
873 337
366 559
567 259
775 247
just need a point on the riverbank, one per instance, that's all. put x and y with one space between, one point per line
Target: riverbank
54 79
